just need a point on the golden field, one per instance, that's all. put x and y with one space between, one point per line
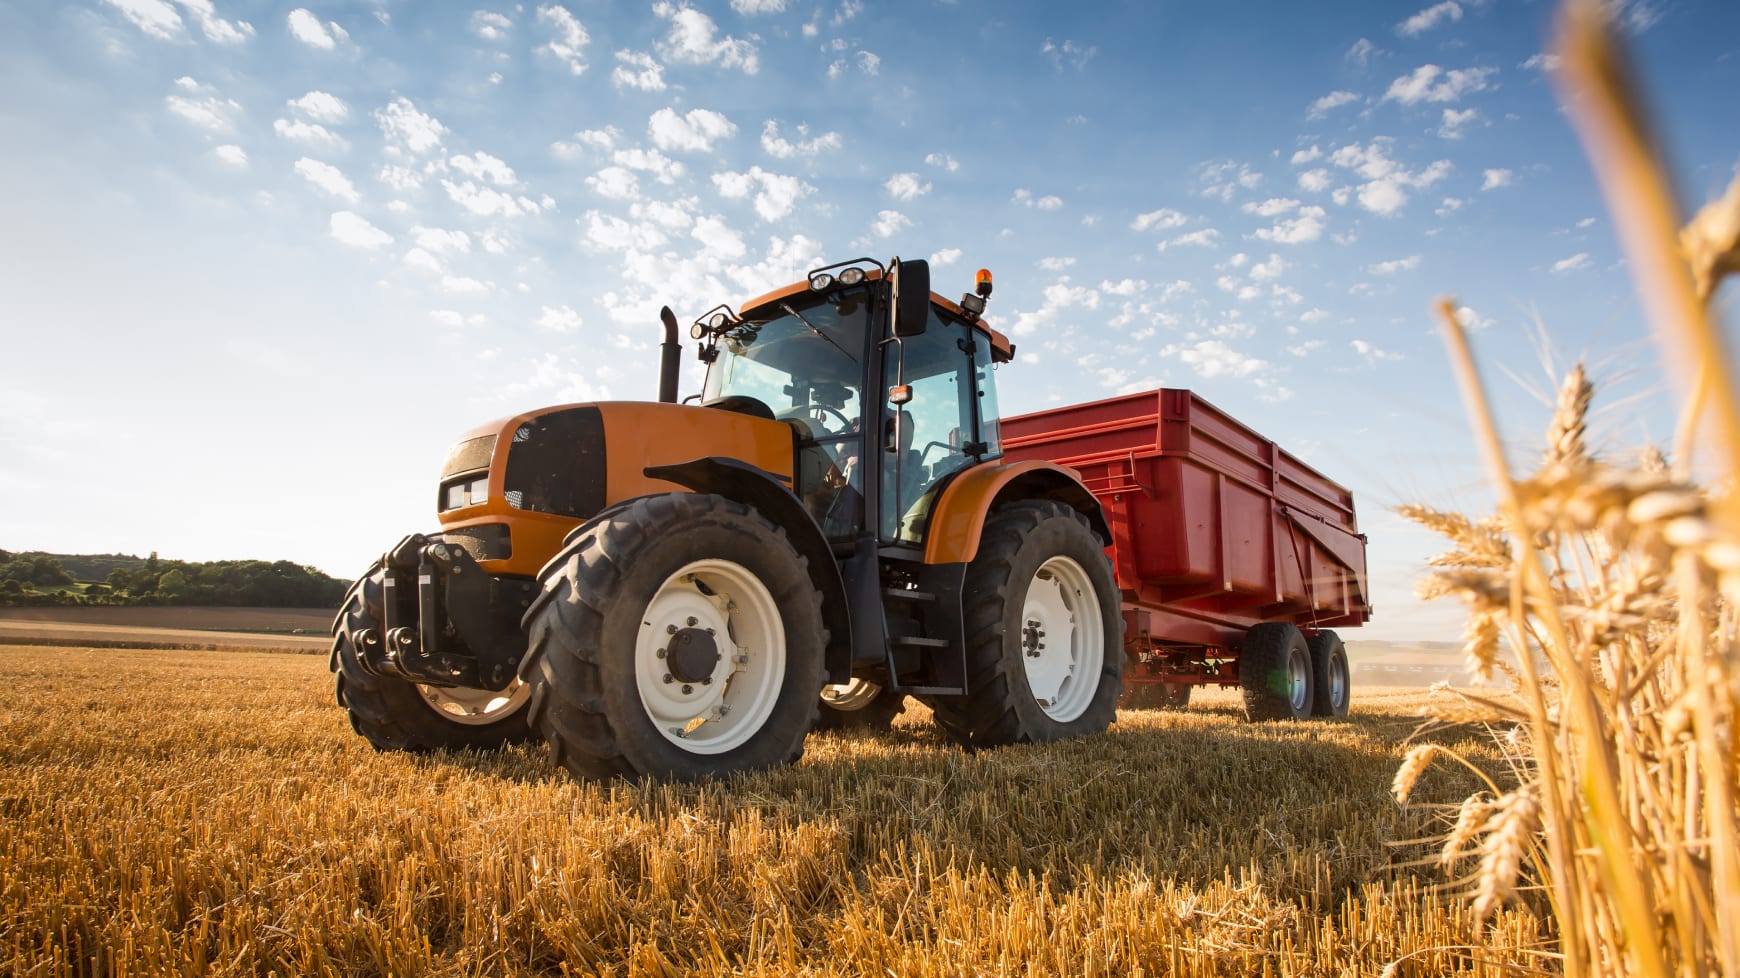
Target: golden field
176 812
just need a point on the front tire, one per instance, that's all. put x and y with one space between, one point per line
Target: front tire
679 636
1275 673
1045 658
393 714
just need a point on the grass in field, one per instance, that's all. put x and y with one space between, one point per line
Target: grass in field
166 813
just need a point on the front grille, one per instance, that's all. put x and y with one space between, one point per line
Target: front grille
468 456
489 541
556 464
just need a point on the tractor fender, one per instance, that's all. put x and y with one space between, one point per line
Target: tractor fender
768 495
959 517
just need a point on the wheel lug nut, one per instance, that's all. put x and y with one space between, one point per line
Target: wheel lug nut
670 629
693 621
669 677
687 688
706 680
661 653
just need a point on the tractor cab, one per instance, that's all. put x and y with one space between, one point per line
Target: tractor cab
887 399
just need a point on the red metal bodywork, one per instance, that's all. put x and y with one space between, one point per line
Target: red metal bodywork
1214 528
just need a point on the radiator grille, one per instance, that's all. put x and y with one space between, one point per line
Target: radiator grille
489 541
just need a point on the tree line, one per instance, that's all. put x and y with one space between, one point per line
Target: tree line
37 579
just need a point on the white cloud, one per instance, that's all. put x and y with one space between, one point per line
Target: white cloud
615 183
353 230
1429 18
1424 85
692 40
441 241
557 319
776 197
321 107
1383 197
487 201
1273 207
638 70
1450 206
664 169
869 63
328 178
423 261
1268 270
1025 198
1075 54
943 160
1213 358
1164 219
447 317
1223 180
1542 62
568 37
758 6
1471 320
1493 179
465 285
906 186
1334 100
1454 120
612 233
310 133
599 139
1315 181
213 113
1576 262
1397 265
407 128
1585 223
482 166
1124 287
308 29
695 131
1304 227
947 256
1055 264
490 26
1056 298
1386 189
1303 156
156 18
890 223
232 155
1371 353
1205 238
779 147
718 238
1361 53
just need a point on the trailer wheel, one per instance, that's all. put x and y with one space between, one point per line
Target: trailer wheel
1330 675
679 636
1044 654
1275 672
393 714
859 705
1155 696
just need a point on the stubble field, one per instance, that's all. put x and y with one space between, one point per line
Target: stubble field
186 812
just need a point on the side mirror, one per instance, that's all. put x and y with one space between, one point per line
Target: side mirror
911 294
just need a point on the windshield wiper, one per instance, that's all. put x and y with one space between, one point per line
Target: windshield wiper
800 318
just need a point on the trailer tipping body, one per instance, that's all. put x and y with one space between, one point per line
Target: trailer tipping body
1215 528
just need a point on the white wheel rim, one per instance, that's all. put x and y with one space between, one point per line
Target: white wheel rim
475 707
722 709
1062 639
850 697
1337 682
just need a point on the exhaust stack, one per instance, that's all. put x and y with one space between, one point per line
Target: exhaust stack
670 356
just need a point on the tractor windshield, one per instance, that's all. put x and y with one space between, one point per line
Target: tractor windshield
802 358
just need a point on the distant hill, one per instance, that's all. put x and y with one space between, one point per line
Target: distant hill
38 579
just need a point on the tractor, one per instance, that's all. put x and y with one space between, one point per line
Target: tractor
685 590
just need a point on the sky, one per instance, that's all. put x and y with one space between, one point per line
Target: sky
261 264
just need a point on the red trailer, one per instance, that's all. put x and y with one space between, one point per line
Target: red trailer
1235 559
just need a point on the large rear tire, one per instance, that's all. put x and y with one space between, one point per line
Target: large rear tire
1155 696
1275 673
1330 674
859 705
679 636
1045 657
393 714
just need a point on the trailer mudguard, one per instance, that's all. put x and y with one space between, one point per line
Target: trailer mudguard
958 520
768 495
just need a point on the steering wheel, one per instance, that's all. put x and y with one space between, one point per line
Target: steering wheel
820 413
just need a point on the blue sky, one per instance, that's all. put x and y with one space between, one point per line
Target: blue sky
260 264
